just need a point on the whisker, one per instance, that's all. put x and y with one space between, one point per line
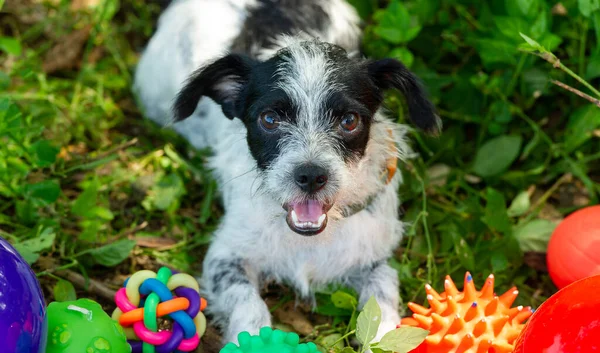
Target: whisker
241 175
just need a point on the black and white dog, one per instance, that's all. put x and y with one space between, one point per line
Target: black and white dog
303 152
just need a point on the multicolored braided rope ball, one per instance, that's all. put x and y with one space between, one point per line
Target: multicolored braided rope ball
147 296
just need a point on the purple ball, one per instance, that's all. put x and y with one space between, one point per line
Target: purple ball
23 324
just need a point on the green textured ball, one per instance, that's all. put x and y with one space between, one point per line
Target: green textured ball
82 326
269 341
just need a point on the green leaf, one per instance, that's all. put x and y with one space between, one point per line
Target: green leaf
550 42
596 23
586 7
10 116
593 68
496 215
524 7
90 228
45 153
46 191
539 26
368 322
344 300
64 291
42 242
103 213
534 235
501 112
519 205
331 341
496 155
403 339
581 126
493 51
396 25
404 55
85 203
10 45
463 251
31 248
26 211
29 256
461 247
511 26
113 254
533 46
531 145
167 192
499 262
4 80
107 10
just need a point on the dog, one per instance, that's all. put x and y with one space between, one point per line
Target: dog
302 150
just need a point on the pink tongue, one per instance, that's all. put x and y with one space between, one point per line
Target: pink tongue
308 211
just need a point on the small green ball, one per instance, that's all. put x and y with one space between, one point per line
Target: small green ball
269 341
82 326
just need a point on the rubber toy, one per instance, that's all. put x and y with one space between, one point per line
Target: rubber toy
148 296
471 321
269 341
574 248
82 326
568 322
23 326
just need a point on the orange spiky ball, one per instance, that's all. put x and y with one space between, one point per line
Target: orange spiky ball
471 321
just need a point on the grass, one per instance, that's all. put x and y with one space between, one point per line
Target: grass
91 191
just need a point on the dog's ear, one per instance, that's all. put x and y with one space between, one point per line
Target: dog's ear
222 81
391 73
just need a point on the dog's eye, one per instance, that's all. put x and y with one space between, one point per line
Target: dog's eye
350 122
269 120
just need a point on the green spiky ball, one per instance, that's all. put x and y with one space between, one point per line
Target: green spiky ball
270 341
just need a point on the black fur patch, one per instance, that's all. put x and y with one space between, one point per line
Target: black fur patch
273 17
227 273
390 73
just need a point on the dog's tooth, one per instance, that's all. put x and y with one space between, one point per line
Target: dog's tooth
294 217
321 220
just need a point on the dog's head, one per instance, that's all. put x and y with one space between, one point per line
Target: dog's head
313 123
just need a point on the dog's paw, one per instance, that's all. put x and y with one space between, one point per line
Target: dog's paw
385 327
250 325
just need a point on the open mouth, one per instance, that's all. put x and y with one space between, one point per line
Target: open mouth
307 217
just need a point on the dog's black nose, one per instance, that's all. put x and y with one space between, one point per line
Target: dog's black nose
310 178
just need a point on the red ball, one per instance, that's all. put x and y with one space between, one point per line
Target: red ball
422 348
574 248
568 322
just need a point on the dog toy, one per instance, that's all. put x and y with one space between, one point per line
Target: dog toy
568 322
469 321
22 309
269 341
82 326
147 296
574 247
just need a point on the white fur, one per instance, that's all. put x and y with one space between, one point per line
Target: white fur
254 228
